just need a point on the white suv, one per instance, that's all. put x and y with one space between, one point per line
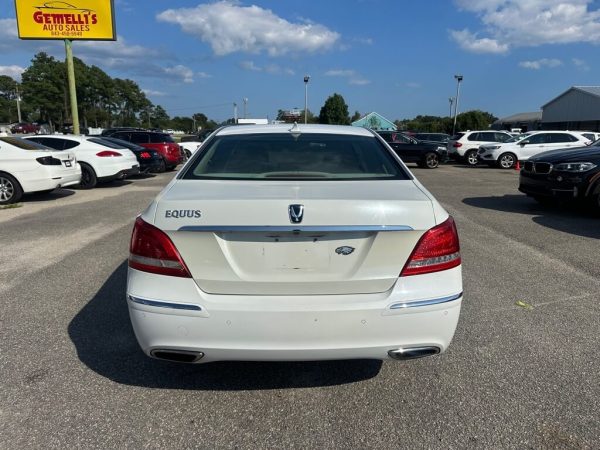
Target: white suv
506 155
463 146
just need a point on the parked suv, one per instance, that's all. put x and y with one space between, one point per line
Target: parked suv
425 154
161 142
463 146
507 154
25 127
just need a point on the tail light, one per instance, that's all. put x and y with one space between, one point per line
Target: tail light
152 251
48 161
108 153
145 155
457 144
438 249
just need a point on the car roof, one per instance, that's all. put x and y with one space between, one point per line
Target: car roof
301 128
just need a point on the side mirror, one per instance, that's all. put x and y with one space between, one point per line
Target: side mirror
525 142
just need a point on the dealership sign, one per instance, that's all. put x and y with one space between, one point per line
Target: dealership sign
75 19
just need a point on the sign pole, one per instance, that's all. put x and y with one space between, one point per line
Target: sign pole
72 90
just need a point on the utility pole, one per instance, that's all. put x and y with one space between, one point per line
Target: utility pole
459 78
72 90
245 99
18 103
235 117
306 78
451 100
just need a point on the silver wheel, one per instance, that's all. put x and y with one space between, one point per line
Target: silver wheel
507 160
471 158
10 191
431 160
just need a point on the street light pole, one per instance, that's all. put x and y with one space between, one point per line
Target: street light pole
306 78
18 103
451 100
459 78
245 99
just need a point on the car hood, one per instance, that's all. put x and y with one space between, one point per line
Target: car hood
568 155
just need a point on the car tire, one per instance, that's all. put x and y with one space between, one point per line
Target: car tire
471 158
10 189
431 160
89 179
163 167
188 154
507 160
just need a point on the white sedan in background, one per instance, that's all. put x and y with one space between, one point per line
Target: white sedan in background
99 163
27 167
305 243
507 154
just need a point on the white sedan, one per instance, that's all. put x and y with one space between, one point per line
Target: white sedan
27 167
99 162
305 243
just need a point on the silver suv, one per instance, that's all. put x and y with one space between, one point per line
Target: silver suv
463 146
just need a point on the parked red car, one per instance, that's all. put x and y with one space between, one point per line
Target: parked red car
161 142
25 127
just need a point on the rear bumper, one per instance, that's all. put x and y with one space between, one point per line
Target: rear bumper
275 328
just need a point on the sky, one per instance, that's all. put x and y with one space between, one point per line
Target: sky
396 57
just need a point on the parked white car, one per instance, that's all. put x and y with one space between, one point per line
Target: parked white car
99 163
27 167
303 242
463 146
192 143
506 155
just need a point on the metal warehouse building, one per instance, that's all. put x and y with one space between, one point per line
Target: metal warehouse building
578 108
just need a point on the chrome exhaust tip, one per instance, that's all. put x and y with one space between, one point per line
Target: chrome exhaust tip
402 354
184 356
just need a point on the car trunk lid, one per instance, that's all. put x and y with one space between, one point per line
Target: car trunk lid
238 237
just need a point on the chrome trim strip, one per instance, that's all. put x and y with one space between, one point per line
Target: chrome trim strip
433 301
159 304
291 228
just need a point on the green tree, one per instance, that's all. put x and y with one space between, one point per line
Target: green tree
8 99
45 88
355 117
335 111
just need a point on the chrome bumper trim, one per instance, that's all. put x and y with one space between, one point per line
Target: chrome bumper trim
292 228
433 301
160 304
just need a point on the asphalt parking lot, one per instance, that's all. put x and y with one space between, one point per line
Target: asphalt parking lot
520 373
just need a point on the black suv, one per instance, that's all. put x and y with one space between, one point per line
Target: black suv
570 175
425 154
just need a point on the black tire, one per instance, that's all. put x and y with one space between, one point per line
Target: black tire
10 189
89 179
471 158
188 154
507 160
163 167
431 160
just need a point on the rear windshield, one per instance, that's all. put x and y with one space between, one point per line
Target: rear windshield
23 144
283 156
457 136
158 138
106 143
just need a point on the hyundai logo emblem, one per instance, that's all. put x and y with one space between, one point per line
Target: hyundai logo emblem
296 212
345 250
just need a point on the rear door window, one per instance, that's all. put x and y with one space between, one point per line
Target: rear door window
139 138
159 138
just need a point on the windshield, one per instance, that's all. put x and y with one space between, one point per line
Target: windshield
24 144
283 156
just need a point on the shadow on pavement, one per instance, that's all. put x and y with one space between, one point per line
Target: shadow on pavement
113 184
48 196
104 339
568 218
